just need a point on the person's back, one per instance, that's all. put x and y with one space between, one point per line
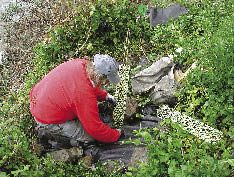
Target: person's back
65 101
52 97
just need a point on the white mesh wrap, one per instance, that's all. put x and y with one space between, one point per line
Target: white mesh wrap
193 126
121 96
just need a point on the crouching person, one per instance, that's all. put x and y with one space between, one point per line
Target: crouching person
64 102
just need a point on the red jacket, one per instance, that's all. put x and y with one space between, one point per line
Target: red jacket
65 93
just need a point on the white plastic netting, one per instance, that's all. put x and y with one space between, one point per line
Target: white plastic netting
193 126
121 95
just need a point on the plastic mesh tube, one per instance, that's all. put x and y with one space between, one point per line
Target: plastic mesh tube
121 96
193 126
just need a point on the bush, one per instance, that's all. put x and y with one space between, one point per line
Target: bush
176 153
208 91
100 28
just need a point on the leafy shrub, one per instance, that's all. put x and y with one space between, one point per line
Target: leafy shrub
14 145
176 153
208 91
100 28
191 30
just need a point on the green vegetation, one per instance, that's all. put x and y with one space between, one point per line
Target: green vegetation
177 153
206 36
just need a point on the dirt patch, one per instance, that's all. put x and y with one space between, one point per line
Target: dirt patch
24 24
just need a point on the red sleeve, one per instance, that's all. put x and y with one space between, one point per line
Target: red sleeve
88 113
101 94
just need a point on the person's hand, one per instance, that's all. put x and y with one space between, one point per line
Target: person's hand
119 131
111 99
122 134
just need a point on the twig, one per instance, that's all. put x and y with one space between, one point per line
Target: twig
84 42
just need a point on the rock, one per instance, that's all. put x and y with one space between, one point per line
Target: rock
87 161
144 61
131 107
178 75
140 155
67 154
159 80
149 77
113 166
37 149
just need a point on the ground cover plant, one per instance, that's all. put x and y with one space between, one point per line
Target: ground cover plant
206 36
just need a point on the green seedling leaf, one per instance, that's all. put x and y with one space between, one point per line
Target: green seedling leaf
141 9
137 142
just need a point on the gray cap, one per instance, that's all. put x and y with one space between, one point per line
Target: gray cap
107 65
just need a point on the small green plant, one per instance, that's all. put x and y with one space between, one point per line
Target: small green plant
207 94
176 153
98 29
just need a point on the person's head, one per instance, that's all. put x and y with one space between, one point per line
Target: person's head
102 70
